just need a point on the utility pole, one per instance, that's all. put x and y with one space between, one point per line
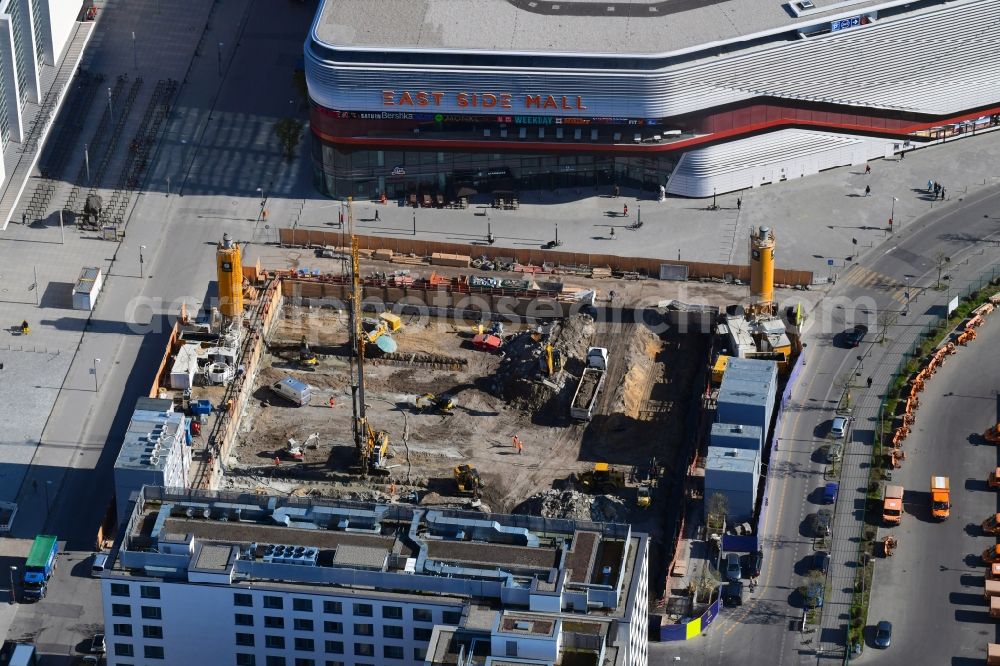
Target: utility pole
220 59
111 111
135 60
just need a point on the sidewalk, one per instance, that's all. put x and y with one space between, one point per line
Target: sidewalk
816 219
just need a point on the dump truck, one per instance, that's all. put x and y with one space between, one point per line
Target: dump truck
994 481
39 566
591 382
892 505
940 497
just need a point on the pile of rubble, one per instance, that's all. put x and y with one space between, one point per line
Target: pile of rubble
518 377
573 505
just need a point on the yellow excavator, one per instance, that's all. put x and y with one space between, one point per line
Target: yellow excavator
553 360
307 357
371 446
429 402
467 480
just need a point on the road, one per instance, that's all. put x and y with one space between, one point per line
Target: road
959 403
765 630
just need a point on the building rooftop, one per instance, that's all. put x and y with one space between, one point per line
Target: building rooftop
729 459
151 433
638 27
394 548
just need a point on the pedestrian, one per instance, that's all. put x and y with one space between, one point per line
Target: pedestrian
869 382
625 210
937 188
613 232
516 441
930 185
616 191
739 203
24 218
868 191
902 154
376 215
942 194
868 169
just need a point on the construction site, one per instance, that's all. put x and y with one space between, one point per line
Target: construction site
332 371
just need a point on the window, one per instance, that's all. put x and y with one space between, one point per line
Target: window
244 639
419 654
242 599
152 613
243 659
422 634
149 592
152 631
121 610
305 644
124 650
272 660
451 617
276 642
304 605
333 607
302 624
122 630
331 662
153 651
244 620
363 610
273 602
303 661
274 622
364 649
119 590
333 627
392 651
392 612
334 647
364 629
392 631
422 615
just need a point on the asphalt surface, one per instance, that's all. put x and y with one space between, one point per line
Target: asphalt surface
766 630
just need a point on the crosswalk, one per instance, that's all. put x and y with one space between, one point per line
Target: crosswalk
866 278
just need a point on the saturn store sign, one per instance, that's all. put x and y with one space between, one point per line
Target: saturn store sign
465 100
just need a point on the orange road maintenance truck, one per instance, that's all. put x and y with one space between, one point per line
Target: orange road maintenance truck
940 497
892 505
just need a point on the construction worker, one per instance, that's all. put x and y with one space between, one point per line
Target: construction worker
516 441
333 401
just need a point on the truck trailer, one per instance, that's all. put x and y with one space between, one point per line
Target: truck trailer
591 383
940 497
39 566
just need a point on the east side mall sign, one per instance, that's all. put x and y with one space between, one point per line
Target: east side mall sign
465 100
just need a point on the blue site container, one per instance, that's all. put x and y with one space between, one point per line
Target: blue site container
201 407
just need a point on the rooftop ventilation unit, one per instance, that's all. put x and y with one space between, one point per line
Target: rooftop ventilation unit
282 554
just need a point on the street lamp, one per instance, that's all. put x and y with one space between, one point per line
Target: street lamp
97 385
892 212
141 248
906 295
13 590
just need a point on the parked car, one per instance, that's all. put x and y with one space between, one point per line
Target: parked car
838 429
883 634
97 645
830 492
732 593
821 561
732 570
755 562
856 335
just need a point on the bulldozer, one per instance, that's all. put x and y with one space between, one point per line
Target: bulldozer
467 480
993 434
307 357
428 402
602 479
992 524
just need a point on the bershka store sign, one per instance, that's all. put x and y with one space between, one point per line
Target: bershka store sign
487 100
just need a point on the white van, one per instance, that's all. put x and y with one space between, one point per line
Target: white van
100 561
293 390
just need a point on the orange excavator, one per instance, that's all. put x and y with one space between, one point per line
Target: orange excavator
993 434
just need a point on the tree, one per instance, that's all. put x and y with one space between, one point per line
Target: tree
886 320
940 261
718 507
844 384
289 131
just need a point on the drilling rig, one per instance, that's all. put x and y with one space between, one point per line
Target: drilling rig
371 446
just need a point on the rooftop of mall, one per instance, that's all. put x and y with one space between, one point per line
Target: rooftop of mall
640 27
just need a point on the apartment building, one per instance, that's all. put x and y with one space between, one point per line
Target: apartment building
248 580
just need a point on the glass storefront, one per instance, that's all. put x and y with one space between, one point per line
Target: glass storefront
367 174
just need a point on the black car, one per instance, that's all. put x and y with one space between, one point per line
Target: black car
883 634
853 337
755 562
821 561
732 593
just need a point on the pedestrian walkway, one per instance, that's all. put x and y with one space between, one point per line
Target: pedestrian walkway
849 514
20 158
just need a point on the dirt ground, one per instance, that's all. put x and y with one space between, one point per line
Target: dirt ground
640 413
